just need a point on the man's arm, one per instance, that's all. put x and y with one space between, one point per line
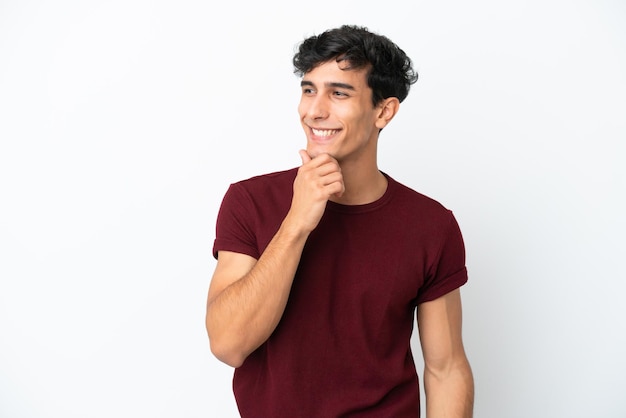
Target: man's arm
448 380
247 297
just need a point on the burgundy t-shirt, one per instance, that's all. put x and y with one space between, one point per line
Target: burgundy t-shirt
342 347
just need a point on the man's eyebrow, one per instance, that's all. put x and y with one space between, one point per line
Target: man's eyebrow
328 84
340 85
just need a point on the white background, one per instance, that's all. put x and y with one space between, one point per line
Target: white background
123 122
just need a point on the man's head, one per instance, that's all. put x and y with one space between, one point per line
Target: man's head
389 70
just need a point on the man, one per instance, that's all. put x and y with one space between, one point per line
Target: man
321 268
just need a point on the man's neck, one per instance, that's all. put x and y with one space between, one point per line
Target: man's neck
362 185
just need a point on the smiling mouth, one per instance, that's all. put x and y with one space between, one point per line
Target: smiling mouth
324 133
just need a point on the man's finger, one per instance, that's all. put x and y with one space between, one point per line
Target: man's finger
305 156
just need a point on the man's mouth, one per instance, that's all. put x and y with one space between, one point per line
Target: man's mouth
324 132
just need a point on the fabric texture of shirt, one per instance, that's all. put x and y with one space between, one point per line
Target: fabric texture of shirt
342 346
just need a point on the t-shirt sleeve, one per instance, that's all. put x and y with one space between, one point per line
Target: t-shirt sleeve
448 271
235 224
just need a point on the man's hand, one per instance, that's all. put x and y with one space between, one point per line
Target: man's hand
317 181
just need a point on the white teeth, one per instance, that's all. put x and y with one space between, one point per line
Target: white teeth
323 132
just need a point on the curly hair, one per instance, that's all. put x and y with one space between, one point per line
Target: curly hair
390 70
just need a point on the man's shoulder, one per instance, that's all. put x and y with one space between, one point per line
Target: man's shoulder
411 196
268 186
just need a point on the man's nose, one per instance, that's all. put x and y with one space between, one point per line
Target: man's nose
318 107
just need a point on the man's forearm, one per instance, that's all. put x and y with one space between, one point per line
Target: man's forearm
450 395
243 315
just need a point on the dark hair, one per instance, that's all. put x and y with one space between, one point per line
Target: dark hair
390 72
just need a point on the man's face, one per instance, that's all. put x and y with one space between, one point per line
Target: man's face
336 112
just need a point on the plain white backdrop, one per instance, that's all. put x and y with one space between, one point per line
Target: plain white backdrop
122 124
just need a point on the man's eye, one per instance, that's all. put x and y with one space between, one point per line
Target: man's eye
307 91
340 94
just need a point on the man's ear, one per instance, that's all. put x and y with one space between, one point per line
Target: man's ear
387 110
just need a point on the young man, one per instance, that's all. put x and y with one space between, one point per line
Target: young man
321 268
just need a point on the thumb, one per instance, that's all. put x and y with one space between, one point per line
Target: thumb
304 156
